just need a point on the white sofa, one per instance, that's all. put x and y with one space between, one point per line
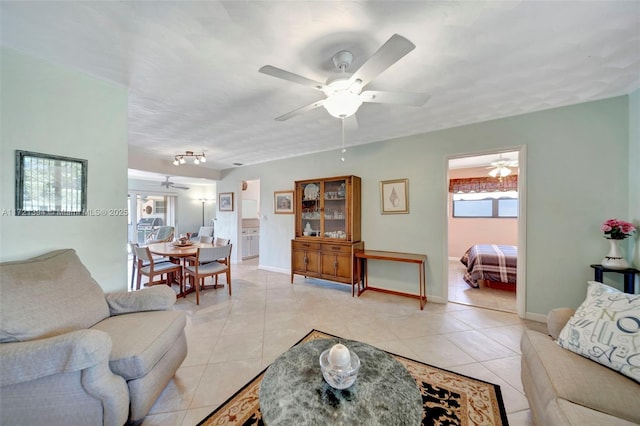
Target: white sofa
564 388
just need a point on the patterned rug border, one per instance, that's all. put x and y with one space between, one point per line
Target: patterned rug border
318 334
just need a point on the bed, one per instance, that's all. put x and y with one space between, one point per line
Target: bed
495 264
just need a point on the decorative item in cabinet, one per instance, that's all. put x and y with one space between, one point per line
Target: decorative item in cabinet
327 218
328 208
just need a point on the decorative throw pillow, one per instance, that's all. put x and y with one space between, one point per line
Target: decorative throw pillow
606 329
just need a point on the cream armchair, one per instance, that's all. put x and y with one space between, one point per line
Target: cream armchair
73 355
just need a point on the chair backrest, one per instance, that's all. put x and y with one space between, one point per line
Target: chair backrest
221 241
132 247
206 239
143 253
209 254
162 234
205 230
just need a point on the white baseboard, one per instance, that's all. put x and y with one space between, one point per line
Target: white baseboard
272 269
535 317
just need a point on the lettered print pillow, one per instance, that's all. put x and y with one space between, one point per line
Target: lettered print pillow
606 329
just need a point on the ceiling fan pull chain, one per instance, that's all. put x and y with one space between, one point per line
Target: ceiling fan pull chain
344 147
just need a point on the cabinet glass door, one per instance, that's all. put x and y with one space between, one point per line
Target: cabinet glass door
335 209
310 209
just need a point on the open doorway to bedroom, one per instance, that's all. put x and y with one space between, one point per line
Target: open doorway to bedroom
483 229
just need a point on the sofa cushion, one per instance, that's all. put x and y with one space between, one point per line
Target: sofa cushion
560 374
606 329
48 295
141 339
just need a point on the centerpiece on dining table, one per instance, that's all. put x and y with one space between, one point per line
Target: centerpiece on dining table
182 241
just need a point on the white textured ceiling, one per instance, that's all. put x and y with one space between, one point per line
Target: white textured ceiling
191 67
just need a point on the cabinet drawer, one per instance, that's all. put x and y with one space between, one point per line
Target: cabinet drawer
300 245
336 248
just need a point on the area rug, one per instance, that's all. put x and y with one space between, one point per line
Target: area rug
448 398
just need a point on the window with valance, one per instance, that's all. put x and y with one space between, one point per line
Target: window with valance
483 184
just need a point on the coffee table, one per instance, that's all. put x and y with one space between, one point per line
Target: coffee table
293 391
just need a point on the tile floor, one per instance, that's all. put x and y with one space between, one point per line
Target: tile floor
231 339
485 297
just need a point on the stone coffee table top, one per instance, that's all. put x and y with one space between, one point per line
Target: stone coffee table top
293 391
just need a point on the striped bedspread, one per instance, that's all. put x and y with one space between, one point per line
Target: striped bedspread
490 262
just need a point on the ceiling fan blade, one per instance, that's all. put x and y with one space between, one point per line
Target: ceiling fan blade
390 53
412 99
289 76
179 186
301 110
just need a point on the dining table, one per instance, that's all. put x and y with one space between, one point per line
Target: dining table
179 253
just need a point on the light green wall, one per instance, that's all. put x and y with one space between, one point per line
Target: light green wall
634 176
577 176
50 109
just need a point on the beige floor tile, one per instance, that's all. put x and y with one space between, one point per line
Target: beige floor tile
233 338
195 415
520 418
438 351
479 346
179 392
220 380
165 419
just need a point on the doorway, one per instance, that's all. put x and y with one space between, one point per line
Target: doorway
486 210
149 212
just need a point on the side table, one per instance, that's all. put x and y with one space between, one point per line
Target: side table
628 273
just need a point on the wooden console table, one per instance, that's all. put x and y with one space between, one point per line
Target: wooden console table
419 259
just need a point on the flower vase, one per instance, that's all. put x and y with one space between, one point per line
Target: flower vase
614 259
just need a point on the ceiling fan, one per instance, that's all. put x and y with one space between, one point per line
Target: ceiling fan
343 91
168 184
502 167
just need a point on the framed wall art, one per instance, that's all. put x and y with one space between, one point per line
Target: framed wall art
394 196
225 201
50 185
283 202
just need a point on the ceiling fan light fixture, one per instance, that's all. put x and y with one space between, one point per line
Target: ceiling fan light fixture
500 171
342 104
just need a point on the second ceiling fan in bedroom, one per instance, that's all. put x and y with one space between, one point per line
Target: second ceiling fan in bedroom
344 91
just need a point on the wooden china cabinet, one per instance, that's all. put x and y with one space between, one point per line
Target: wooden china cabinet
327 229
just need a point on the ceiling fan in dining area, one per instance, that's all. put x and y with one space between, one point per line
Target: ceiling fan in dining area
168 184
344 91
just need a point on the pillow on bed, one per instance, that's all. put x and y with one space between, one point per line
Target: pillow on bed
606 329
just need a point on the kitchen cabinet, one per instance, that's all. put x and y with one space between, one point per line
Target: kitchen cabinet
250 243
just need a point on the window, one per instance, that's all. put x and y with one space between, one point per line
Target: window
50 185
486 204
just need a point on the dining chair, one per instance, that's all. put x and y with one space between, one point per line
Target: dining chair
134 261
221 241
203 231
161 235
206 239
148 267
207 263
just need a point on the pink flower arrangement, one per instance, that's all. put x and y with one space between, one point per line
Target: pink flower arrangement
615 229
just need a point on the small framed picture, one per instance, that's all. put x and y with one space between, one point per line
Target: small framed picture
283 202
394 196
225 201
